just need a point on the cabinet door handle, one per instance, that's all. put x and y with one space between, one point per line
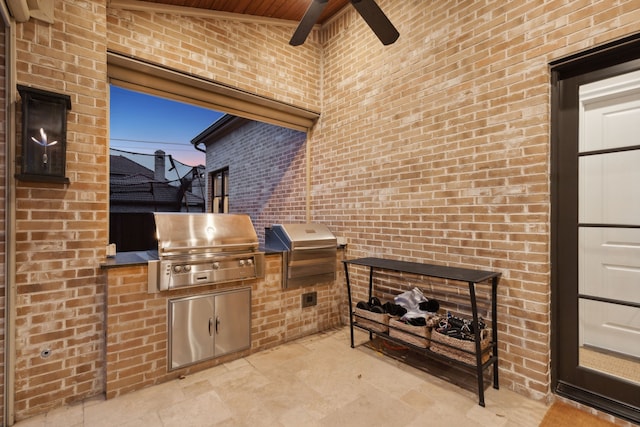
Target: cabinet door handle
210 324
217 323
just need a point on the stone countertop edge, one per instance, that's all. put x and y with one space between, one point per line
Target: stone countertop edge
126 259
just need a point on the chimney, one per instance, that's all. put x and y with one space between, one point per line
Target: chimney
159 166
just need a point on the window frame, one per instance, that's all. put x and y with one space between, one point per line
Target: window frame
219 192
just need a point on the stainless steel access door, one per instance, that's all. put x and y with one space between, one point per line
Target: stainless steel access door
207 326
232 322
191 324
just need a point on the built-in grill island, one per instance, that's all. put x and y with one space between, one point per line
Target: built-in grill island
308 253
202 249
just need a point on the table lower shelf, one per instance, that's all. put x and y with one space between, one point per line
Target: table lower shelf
492 360
473 278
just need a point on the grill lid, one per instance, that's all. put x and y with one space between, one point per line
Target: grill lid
300 236
181 233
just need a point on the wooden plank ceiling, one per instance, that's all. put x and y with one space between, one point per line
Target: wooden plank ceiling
281 9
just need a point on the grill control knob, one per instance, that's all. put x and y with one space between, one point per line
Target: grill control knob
216 265
242 263
177 268
250 261
187 268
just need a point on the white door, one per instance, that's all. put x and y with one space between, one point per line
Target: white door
609 215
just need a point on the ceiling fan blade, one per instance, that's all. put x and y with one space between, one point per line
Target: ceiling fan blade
307 22
377 20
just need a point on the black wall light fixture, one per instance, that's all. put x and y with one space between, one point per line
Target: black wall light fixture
44 135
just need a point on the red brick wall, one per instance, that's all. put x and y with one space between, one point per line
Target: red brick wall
435 148
267 168
61 230
3 197
253 57
137 323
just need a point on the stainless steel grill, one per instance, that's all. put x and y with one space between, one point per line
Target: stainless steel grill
309 253
201 249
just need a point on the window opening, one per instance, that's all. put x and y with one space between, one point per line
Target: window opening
153 165
220 193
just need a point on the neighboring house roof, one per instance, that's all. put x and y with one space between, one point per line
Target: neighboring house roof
221 127
133 188
120 165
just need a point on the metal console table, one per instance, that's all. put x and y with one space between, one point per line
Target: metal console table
470 276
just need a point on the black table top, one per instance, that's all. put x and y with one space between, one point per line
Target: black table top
441 271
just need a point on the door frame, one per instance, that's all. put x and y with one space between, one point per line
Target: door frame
567 74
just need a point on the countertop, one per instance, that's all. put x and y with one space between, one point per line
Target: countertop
125 259
130 258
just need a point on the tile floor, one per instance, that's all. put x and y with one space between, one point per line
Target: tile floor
315 381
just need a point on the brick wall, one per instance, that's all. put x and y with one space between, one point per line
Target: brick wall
436 148
267 168
61 230
137 323
253 57
3 197
432 149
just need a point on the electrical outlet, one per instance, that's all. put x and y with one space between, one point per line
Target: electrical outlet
309 299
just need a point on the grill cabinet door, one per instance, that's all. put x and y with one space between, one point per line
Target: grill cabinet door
232 321
192 324
207 326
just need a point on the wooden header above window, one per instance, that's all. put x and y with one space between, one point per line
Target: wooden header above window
157 80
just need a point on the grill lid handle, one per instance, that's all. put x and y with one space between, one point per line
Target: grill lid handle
191 249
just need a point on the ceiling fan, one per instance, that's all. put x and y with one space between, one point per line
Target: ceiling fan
368 9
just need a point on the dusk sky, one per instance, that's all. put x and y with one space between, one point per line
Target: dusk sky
144 123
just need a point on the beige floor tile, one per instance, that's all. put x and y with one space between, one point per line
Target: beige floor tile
441 416
204 410
297 417
234 364
68 416
371 409
315 381
147 420
133 405
519 411
37 421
